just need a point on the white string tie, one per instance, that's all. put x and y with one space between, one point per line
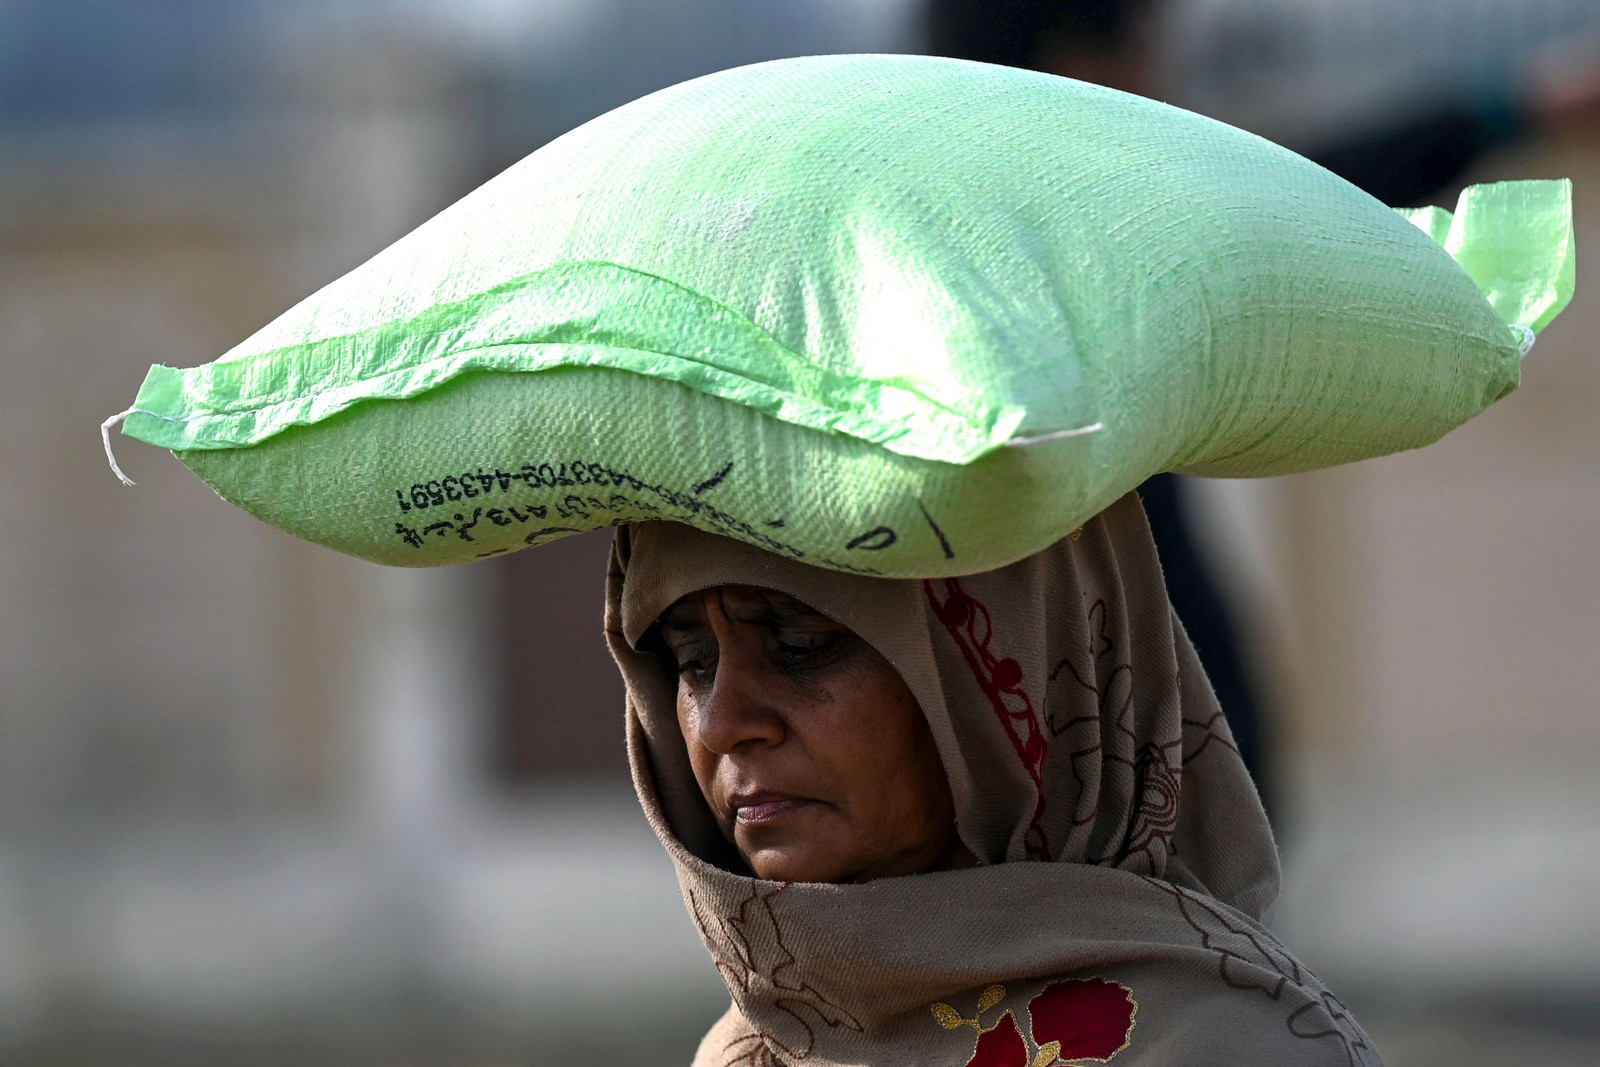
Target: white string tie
105 439
1525 338
1024 442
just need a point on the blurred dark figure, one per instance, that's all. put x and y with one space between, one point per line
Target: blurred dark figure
1420 159
1405 161
1110 42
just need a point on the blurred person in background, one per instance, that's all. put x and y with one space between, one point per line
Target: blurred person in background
1421 157
1405 158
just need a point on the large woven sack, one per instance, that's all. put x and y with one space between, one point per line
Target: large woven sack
891 314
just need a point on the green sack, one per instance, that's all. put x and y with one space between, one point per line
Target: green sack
888 314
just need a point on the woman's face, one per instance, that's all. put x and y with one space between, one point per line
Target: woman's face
813 755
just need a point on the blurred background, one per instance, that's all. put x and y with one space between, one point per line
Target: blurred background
263 804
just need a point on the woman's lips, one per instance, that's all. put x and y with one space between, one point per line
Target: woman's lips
764 808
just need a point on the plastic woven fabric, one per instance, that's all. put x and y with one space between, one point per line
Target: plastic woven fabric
895 314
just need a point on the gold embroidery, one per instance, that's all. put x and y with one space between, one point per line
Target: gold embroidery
951 1019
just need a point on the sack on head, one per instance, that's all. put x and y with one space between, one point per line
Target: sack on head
893 314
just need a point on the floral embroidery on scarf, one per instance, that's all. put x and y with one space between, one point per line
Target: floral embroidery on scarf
969 624
1109 680
1208 728
749 950
1250 959
1112 689
1080 1020
1156 786
1152 772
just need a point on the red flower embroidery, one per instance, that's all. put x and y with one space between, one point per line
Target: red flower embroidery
1001 1045
1082 1019
1092 1018
970 625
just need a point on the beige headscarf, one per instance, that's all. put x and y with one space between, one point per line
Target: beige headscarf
1125 858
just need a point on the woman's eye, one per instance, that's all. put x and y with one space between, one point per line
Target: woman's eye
695 667
805 646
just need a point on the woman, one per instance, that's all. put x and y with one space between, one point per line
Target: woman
995 820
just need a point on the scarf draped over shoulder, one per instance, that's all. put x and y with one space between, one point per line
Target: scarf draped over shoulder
1124 858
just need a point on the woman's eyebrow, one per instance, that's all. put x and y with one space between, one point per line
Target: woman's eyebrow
774 612
751 610
678 618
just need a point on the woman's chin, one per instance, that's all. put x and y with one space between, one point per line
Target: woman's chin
794 861
810 863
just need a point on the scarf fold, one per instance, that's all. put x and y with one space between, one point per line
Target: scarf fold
1124 857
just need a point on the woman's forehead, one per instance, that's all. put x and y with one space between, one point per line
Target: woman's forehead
739 603
666 562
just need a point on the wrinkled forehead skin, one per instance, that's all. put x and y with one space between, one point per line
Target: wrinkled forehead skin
667 561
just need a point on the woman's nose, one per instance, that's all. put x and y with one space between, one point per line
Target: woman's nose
740 709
